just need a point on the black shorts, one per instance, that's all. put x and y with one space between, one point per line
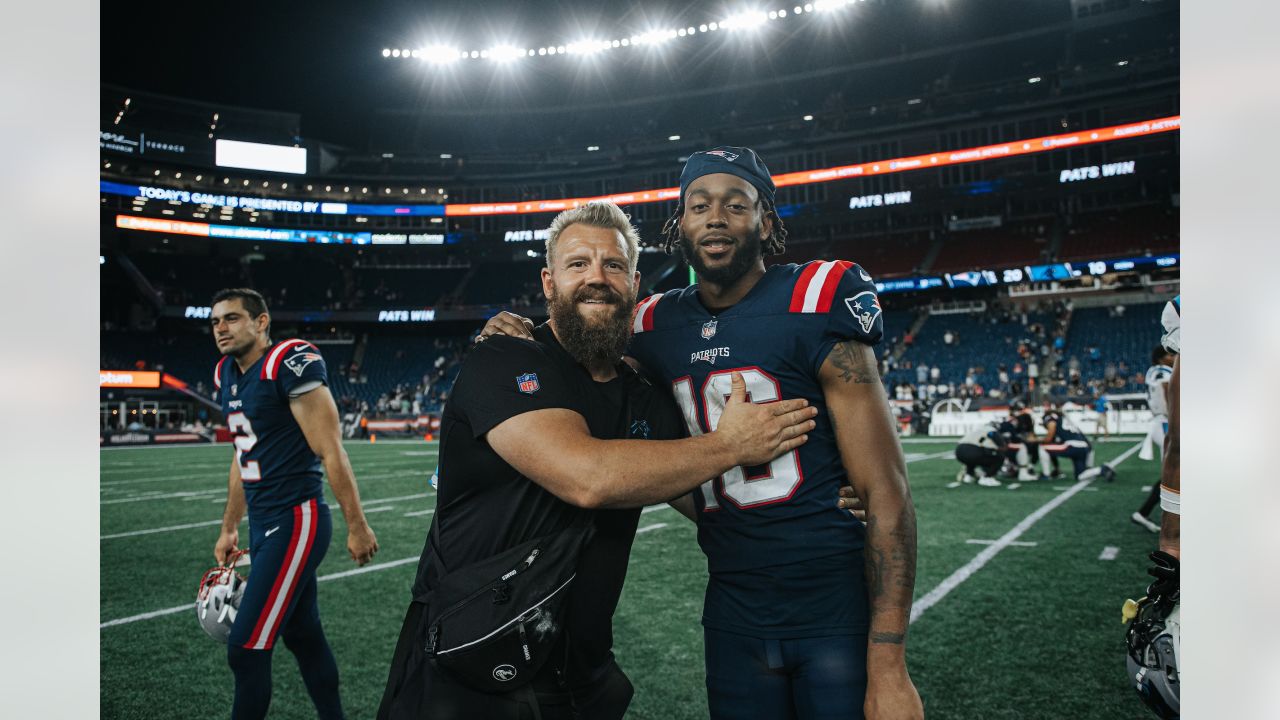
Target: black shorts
977 456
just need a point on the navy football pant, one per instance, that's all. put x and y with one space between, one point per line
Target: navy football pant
797 679
1077 451
280 601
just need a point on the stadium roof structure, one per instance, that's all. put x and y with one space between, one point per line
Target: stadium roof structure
323 61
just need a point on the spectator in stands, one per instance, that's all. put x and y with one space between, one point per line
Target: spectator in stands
922 373
935 374
948 337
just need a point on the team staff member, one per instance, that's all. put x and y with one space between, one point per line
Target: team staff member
277 404
806 611
533 432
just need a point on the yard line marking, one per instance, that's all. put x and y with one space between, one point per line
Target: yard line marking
166 496
1146 488
419 513
647 528
419 453
654 508
170 528
380 509
191 605
934 596
1109 553
952 485
379 501
1012 486
1018 543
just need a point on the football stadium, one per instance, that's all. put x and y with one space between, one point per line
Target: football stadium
998 180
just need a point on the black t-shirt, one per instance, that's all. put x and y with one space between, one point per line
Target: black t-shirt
484 506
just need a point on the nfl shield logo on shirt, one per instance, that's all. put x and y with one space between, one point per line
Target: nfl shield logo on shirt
527 383
708 329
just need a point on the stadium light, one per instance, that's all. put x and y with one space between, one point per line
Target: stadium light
673 138
1033 80
592 148
808 118
440 54
505 53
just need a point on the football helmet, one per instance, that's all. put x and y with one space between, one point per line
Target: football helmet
1153 639
218 597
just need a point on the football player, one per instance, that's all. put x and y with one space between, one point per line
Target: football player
1063 439
981 452
1018 431
1171 471
807 608
1158 400
285 423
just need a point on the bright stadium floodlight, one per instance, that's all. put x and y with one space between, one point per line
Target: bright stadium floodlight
441 54
673 138
626 42
504 53
808 118
386 52
702 27
395 53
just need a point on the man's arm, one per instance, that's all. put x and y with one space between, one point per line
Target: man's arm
317 415
872 456
554 448
684 505
231 515
1171 472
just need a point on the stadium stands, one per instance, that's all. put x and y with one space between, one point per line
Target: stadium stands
1111 346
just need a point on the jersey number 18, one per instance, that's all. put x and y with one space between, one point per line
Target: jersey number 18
783 476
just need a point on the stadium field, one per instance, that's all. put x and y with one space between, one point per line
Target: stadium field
1018 590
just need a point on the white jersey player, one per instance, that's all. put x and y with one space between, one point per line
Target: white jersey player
1158 401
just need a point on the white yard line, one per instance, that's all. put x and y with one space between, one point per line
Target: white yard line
1109 553
380 501
188 607
647 528
1016 543
420 513
164 496
170 528
934 596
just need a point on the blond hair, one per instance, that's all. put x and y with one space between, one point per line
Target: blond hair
600 214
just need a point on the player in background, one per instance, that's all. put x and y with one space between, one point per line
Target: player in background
1158 400
278 406
981 452
807 609
1018 449
1171 470
1063 439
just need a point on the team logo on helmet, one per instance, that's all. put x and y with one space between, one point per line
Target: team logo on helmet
527 383
709 329
504 673
299 362
865 307
724 154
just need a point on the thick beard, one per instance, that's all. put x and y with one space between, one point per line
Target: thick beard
594 343
744 257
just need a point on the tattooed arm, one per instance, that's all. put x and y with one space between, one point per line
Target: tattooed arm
871 454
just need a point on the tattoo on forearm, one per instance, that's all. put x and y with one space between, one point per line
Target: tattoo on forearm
852 367
890 562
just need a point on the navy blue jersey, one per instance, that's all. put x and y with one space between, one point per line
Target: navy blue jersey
278 468
1064 431
782 516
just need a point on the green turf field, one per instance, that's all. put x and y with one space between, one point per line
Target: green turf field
1034 632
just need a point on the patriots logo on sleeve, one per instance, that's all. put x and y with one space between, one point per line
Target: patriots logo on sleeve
865 307
299 362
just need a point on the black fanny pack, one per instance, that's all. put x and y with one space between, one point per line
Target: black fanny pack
493 624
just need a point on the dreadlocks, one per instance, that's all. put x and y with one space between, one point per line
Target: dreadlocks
775 244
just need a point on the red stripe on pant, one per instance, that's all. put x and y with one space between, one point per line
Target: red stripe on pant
264 633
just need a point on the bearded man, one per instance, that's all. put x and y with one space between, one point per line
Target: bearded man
542 437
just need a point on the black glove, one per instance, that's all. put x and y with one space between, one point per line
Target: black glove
1165 572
